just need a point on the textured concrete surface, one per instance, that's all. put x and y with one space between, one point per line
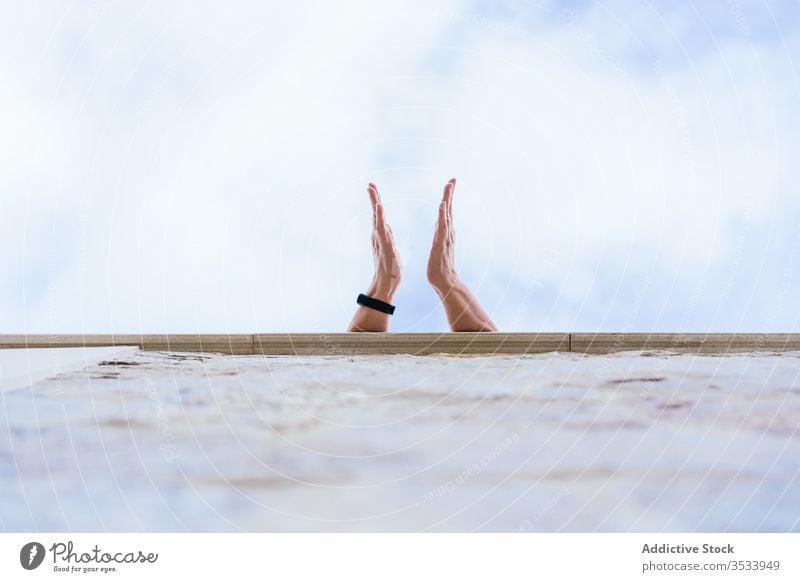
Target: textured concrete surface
635 441
19 368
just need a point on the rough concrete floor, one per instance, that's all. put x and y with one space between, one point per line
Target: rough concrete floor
556 442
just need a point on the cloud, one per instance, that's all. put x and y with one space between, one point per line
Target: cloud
632 166
175 169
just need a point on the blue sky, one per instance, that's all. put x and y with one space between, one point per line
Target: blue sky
168 166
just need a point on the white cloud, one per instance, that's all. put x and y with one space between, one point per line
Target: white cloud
198 169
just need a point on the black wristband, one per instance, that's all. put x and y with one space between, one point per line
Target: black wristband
375 304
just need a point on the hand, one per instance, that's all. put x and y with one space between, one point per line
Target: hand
464 313
441 264
387 270
387 263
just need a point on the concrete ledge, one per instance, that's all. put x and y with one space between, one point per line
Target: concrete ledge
410 343
419 343
220 343
212 343
604 343
67 341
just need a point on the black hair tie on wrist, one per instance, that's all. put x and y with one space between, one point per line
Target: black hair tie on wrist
375 304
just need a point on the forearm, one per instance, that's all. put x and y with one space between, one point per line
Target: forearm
366 319
464 313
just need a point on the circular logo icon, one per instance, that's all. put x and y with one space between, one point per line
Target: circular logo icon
31 555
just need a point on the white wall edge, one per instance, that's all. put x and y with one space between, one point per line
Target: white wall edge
20 368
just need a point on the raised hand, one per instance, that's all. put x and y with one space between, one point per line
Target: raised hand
464 313
441 263
387 263
387 270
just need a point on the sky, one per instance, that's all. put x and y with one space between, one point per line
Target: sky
202 167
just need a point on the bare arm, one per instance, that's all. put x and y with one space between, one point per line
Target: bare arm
387 270
464 313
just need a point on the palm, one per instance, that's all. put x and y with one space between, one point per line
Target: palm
387 264
441 263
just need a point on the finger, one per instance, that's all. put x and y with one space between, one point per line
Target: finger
451 187
377 207
445 207
373 200
441 223
374 189
374 194
447 192
392 245
380 223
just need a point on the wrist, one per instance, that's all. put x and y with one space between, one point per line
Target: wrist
382 290
443 284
